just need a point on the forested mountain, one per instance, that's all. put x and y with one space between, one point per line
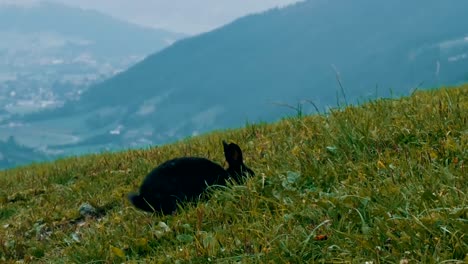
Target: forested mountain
239 72
13 154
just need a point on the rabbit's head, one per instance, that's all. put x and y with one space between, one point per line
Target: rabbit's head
237 169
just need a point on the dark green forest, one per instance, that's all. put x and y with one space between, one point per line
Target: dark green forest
13 154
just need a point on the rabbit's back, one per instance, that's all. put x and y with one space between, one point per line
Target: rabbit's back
177 180
184 175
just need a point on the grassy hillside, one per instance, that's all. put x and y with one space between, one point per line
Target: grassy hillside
382 182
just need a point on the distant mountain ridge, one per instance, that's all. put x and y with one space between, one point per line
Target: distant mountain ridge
108 35
236 73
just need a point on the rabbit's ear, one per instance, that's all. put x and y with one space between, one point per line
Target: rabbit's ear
233 153
225 145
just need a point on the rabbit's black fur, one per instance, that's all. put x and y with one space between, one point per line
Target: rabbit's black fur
187 178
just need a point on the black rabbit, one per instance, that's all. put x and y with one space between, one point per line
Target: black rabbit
185 179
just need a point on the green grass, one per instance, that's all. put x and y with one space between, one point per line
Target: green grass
385 182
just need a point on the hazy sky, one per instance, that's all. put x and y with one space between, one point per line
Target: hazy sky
188 16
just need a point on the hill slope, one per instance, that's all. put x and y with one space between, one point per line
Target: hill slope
236 73
382 182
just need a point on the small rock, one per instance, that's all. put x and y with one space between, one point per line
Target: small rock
76 237
164 227
87 210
